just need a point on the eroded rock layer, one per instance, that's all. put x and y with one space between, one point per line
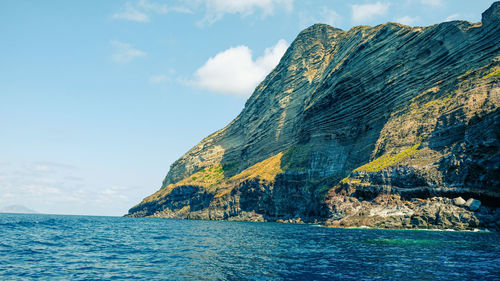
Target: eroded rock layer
383 126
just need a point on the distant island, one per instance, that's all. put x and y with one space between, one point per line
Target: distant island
17 209
388 126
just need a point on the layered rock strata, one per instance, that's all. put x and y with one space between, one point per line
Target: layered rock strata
381 126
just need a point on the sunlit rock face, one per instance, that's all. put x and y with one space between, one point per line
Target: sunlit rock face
378 126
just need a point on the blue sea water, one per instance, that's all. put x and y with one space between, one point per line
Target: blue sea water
54 247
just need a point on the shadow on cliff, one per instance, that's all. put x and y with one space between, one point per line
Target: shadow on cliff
472 168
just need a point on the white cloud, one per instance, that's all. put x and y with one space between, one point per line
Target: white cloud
158 79
234 71
58 188
142 10
38 181
45 180
112 194
42 168
8 195
124 52
272 56
363 13
434 3
153 7
132 13
330 17
407 20
215 9
452 17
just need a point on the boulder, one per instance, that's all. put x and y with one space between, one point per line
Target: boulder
459 201
473 204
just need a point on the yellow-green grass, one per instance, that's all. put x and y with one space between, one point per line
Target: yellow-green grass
495 73
350 180
265 170
212 178
206 178
388 160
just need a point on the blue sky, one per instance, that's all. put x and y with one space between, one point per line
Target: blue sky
98 98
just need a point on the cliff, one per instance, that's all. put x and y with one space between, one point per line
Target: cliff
385 126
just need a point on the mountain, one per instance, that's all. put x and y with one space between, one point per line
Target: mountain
386 126
17 209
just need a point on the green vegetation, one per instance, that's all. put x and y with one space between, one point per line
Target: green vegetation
386 160
214 180
420 105
350 180
230 168
323 189
205 178
495 73
296 156
437 102
184 210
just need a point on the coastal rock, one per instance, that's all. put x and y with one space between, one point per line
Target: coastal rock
473 204
378 126
459 201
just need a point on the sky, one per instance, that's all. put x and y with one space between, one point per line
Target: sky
99 98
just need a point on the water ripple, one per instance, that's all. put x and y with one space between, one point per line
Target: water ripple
46 247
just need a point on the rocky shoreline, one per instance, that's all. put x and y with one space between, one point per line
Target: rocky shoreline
389 211
386 211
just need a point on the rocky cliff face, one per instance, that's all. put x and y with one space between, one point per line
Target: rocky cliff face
381 126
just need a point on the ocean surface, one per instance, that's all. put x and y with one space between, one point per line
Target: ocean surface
55 247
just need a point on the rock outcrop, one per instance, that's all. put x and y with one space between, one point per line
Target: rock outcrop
377 126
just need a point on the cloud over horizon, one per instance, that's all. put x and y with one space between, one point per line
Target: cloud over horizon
235 72
47 186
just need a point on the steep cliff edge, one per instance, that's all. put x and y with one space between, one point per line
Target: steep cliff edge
381 126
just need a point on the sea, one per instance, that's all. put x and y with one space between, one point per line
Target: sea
57 247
